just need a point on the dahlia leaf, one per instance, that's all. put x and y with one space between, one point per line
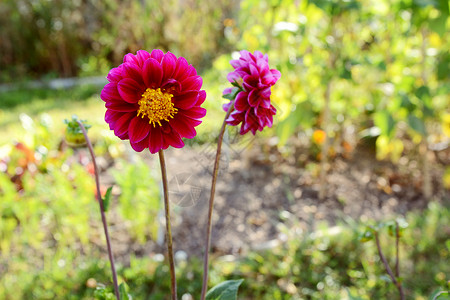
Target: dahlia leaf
123 295
106 200
226 290
232 95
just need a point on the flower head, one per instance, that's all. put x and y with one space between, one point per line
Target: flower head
153 100
253 79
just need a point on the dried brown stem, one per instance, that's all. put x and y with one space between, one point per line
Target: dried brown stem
211 205
102 211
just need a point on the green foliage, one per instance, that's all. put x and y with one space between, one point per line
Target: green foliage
139 200
226 290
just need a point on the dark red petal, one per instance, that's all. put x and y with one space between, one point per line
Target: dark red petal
132 71
192 83
168 63
130 90
185 100
201 98
121 125
112 116
155 140
171 86
110 92
152 73
123 136
173 139
194 112
138 147
157 54
121 106
235 118
184 126
138 129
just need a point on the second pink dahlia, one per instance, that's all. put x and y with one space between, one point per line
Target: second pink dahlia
153 100
252 106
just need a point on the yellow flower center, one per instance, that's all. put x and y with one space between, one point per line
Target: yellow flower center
157 106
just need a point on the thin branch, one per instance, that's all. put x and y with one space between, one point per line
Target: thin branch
211 205
388 269
397 258
173 279
102 211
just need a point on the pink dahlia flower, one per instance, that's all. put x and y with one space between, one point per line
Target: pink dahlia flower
153 100
253 79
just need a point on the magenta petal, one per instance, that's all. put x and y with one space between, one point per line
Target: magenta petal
180 70
110 92
138 129
155 141
253 98
233 76
192 83
130 90
275 74
132 71
140 146
235 63
201 98
157 54
185 100
131 58
241 102
115 74
183 126
191 71
142 56
152 73
169 63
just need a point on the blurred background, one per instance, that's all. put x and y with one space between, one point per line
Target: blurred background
361 136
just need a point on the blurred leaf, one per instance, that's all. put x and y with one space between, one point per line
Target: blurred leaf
107 199
406 103
384 120
366 236
438 25
417 125
123 294
226 290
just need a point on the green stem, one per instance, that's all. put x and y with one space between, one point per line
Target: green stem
102 211
211 205
173 280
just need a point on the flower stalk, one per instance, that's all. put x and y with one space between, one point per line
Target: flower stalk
173 280
211 204
102 211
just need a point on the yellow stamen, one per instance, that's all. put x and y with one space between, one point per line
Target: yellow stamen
157 106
